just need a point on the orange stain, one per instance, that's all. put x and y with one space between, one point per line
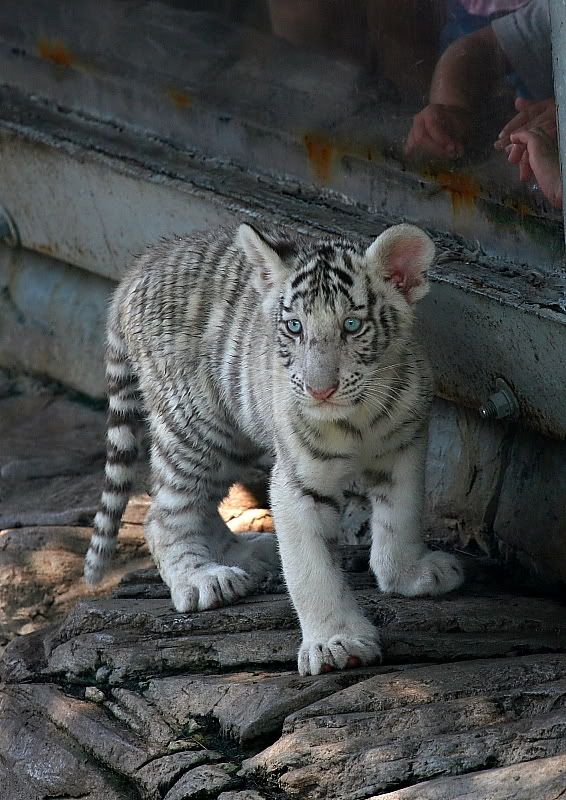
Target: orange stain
521 208
463 189
56 51
320 152
180 99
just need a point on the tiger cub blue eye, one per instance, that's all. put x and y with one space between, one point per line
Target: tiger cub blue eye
352 324
294 326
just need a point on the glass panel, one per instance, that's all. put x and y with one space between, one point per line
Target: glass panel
397 106
456 93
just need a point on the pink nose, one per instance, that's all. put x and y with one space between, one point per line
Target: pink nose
322 394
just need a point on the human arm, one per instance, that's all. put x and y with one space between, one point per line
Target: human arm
465 76
536 154
530 114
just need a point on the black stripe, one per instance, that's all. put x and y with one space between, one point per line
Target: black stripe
384 321
117 384
341 275
348 427
193 506
118 418
123 457
395 319
196 466
372 297
378 477
323 499
298 279
115 514
312 449
222 334
117 488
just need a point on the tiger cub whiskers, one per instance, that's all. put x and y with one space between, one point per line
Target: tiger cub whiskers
231 344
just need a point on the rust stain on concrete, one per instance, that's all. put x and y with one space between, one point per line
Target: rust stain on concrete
179 97
323 153
56 51
320 152
462 188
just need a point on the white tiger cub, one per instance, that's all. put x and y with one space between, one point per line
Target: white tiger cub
234 344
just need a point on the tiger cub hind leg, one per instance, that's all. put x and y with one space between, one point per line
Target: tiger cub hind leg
202 562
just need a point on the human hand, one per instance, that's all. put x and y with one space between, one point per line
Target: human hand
440 131
536 153
541 114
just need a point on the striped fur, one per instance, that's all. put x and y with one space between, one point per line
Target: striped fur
236 344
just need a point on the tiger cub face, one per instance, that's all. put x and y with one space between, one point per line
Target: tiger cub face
341 312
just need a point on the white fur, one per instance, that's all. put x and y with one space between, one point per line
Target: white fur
123 405
121 437
118 473
112 500
240 382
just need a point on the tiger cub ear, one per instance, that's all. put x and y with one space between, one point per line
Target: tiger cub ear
402 256
267 257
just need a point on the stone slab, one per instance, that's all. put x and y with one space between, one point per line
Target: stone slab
542 779
137 696
245 795
145 759
391 730
203 782
52 451
51 461
41 573
40 761
130 639
245 705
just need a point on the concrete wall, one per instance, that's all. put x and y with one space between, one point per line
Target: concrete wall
52 319
499 490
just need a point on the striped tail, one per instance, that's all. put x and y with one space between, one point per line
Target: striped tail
121 454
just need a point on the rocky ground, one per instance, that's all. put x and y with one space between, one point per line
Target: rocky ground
109 693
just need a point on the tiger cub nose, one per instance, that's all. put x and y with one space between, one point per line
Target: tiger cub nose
322 394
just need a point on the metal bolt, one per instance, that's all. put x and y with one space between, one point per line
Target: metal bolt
502 404
8 231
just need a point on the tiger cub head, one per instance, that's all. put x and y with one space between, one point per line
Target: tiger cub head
341 312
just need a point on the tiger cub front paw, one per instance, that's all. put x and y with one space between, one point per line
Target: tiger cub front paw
341 651
434 573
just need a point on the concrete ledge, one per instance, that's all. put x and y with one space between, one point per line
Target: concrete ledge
92 194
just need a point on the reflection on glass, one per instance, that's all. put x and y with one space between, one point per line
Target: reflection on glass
456 93
423 82
470 74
